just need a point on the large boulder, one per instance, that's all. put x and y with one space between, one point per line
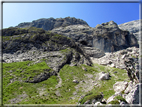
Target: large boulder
120 86
103 76
134 95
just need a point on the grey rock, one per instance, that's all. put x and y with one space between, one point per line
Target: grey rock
93 52
103 76
98 103
75 81
51 23
129 88
120 86
133 96
87 102
104 37
117 59
84 68
130 67
43 76
122 103
132 26
111 98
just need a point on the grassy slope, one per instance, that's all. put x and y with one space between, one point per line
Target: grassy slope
46 92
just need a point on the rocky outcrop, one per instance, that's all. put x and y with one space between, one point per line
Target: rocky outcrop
125 93
134 95
133 73
117 59
51 23
103 76
120 86
34 46
33 39
133 27
127 59
91 100
93 52
106 37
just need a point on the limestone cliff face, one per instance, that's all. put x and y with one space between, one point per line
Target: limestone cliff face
133 27
51 23
107 36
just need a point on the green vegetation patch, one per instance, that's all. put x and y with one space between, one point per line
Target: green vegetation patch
114 102
14 75
120 98
47 92
24 70
89 97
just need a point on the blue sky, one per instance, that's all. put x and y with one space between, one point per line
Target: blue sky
92 13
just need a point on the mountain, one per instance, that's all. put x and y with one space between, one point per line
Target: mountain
132 26
68 64
106 36
51 23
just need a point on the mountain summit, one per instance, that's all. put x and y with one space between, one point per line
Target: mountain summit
51 23
133 27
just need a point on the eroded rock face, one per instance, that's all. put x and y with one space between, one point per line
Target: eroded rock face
133 27
51 23
133 74
133 96
106 37
93 52
120 86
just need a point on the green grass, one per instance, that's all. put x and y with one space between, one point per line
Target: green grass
90 97
114 102
65 50
23 70
120 98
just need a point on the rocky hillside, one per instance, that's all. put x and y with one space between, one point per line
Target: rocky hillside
20 44
106 36
132 26
68 64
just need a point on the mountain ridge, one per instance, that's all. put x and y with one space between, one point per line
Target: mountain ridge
50 23
103 36
133 27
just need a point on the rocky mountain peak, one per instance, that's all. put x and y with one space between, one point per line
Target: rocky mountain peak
133 27
104 36
110 24
51 23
